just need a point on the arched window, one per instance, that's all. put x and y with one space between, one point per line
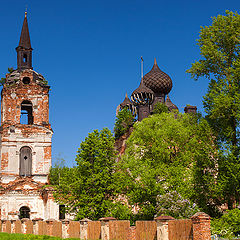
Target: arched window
26 112
24 212
25 162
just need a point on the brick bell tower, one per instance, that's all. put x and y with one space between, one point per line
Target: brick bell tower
25 139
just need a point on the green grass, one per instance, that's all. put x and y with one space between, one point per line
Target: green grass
17 236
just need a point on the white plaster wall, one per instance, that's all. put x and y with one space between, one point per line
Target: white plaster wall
37 142
13 201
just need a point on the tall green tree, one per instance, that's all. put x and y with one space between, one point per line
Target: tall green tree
220 49
88 190
165 153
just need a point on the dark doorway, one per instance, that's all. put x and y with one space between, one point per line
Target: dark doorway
26 112
24 212
25 162
61 212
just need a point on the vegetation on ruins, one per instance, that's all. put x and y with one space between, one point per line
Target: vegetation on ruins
3 80
220 49
123 122
166 153
160 108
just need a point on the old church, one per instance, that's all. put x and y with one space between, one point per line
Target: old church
25 140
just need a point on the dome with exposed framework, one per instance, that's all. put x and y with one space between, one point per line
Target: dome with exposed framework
157 80
142 95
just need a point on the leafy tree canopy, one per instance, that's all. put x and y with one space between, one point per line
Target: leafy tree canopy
220 49
167 153
88 190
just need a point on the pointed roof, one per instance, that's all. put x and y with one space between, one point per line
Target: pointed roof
169 104
126 101
25 37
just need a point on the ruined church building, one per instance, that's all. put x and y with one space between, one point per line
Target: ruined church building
26 134
26 140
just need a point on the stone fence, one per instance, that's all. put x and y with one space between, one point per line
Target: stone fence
162 228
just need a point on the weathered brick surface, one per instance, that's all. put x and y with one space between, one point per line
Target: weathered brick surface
13 95
4 161
132 233
201 226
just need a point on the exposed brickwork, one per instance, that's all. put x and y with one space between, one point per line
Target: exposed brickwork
14 94
4 161
201 226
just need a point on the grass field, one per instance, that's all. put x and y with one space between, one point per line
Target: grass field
13 236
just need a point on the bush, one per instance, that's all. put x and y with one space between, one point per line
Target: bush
228 225
174 205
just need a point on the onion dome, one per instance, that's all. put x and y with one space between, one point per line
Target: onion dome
128 104
170 105
142 95
157 80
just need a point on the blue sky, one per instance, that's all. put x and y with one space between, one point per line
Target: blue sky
90 51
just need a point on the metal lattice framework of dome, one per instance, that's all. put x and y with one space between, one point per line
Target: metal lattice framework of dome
157 80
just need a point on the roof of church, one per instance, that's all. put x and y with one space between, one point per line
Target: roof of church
169 104
126 101
142 89
157 80
25 37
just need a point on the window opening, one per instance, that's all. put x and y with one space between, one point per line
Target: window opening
24 212
61 212
26 113
25 162
25 58
26 80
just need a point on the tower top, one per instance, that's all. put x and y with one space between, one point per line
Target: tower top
25 36
24 49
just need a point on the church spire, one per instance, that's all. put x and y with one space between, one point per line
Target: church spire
24 49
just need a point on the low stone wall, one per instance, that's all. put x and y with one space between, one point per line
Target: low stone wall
162 228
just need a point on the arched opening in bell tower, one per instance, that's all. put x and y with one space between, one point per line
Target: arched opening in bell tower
24 58
25 168
26 112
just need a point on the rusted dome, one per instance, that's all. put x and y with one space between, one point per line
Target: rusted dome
142 95
157 80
